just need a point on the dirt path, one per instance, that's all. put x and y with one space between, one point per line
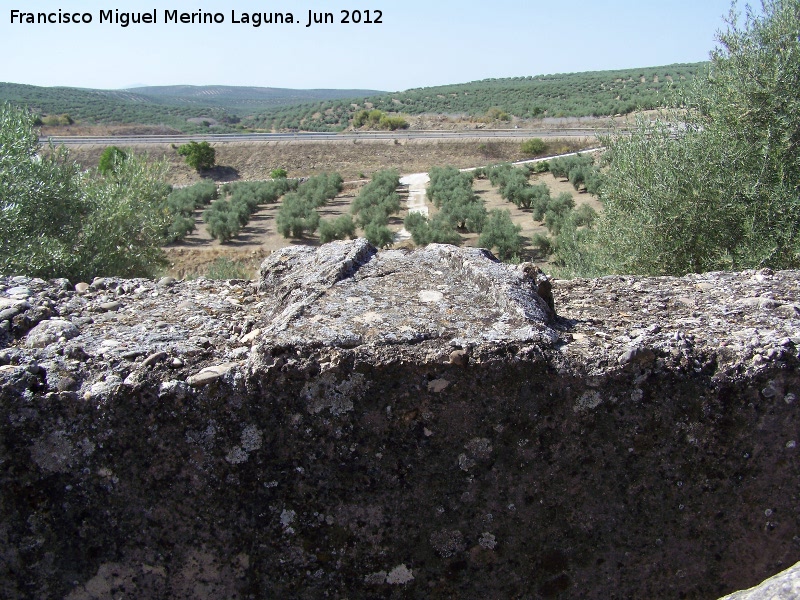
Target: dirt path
417 186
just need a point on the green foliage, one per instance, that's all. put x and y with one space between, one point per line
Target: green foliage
720 190
321 188
259 192
200 156
109 159
450 190
296 216
497 114
56 120
514 187
557 211
376 119
225 269
378 235
501 234
375 203
222 221
336 229
226 217
278 174
181 204
562 166
438 230
58 222
540 166
533 147
169 108
544 243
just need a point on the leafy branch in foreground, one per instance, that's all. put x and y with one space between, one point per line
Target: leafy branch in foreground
59 221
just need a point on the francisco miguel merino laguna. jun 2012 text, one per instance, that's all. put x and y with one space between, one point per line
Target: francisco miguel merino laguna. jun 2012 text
199 17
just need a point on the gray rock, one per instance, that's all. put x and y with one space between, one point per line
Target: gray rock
373 440
783 586
166 282
49 332
154 358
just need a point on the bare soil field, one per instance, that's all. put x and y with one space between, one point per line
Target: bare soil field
254 161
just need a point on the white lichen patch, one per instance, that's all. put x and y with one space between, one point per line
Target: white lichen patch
588 401
438 385
479 447
338 396
369 317
378 578
286 519
429 296
487 541
400 575
251 438
54 453
236 456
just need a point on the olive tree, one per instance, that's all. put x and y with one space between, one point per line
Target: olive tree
59 221
714 185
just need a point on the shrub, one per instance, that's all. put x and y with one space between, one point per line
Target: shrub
296 216
557 210
58 222
533 147
376 119
222 222
438 230
378 235
278 174
501 233
110 159
377 200
451 191
200 156
720 192
336 229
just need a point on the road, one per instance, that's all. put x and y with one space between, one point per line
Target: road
417 188
477 134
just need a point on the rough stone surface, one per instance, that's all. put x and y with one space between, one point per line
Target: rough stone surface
403 425
784 586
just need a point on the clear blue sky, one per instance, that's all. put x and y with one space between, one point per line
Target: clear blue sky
420 43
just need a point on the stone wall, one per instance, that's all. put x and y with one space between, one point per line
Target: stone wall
362 424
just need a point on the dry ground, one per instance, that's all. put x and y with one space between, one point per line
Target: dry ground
254 161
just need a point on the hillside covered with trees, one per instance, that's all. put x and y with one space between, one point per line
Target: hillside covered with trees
190 109
594 93
194 109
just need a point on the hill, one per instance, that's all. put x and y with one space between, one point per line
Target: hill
171 106
193 109
592 93
243 99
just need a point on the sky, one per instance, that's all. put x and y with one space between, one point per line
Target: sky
419 42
